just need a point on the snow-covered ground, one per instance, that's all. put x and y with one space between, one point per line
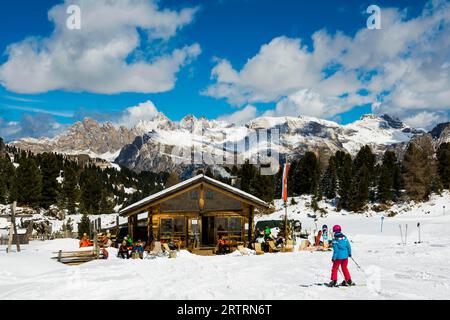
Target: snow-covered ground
391 270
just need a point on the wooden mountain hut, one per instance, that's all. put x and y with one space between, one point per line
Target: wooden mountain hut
195 213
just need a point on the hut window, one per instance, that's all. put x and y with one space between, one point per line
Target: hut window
235 224
173 229
194 195
166 226
178 226
209 195
229 228
222 224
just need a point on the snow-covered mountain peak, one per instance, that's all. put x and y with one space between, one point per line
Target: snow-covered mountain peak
188 122
160 121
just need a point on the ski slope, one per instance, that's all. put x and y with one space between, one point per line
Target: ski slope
391 270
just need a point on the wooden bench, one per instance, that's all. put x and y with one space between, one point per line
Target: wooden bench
289 246
258 249
204 251
172 253
272 247
76 257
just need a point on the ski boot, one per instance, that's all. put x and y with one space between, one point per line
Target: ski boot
332 284
348 283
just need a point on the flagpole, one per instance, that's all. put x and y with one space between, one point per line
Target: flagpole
285 198
285 224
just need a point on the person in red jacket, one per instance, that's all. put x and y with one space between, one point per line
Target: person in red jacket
222 244
85 242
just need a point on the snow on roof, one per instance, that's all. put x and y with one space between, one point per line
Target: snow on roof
188 182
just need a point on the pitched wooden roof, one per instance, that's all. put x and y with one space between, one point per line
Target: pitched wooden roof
191 184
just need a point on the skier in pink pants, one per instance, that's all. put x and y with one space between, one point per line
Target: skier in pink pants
341 252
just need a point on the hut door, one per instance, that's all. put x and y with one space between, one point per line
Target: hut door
208 231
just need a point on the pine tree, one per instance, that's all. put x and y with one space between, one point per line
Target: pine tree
91 188
363 179
307 174
256 184
7 173
278 183
28 182
172 180
248 173
417 173
329 180
69 225
2 149
70 188
443 157
388 187
209 172
263 187
106 205
293 182
84 226
365 159
344 174
360 189
50 186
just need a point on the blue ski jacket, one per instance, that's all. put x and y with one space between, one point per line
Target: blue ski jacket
341 247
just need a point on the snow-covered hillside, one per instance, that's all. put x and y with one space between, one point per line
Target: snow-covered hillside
391 270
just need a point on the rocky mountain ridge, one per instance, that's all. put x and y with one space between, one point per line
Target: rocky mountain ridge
160 144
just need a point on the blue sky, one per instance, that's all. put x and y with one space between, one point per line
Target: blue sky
214 77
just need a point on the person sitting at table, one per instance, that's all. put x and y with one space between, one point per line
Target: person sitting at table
103 241
129 242
268 233
318 239
279 241
123 250
139 249
257 235
261 239
222 244
85 242
172 245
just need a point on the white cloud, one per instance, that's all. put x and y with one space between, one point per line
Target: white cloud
133 115
97 57
424 119
40 110
310 103
36 126
278 69
403 69
21 99
240 116
37 123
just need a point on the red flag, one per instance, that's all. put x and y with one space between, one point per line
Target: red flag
285 181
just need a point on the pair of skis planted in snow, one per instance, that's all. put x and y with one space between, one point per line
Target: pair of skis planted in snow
401 234
406 233
419 229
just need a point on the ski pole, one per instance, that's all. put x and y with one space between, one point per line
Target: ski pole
401 233
418 226
406 234
356 264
